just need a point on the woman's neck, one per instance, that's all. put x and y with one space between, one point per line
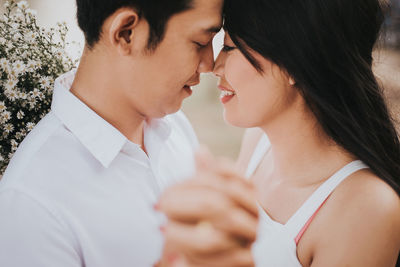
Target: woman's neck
301 153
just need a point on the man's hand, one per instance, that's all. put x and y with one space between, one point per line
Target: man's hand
213 218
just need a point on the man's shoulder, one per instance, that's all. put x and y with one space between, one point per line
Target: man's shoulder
43 155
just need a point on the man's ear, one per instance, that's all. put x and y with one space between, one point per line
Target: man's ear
122 29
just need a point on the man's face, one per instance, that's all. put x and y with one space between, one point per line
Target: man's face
156 82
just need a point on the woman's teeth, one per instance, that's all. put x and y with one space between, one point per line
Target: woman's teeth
226 93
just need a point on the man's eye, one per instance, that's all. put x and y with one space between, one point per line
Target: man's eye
200 45
227 48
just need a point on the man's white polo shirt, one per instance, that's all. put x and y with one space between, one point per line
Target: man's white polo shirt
78 193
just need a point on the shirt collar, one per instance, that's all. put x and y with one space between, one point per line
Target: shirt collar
102 139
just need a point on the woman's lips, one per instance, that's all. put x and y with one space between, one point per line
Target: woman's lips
226 94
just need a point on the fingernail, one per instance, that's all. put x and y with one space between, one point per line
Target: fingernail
162 229
156 206
172 257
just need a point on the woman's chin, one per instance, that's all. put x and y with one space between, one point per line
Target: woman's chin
238 121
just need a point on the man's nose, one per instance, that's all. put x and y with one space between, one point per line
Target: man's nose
219 65
207 60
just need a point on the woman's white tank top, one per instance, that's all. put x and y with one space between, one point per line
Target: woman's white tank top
275 245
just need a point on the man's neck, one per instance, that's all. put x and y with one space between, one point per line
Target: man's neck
95 86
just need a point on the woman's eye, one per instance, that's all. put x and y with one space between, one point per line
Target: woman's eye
227 48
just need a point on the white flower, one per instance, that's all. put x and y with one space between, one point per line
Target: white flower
30 36
19 135
2 106
14 145
35 93
14 25
9 46
31 12
18 17
18 67
20 115
22 95
21 65
11 94
5 18
25 54
44 82
8 128
25 47
11 83
17 36
4 63
38 64
32 65
10 155
59 53
30 126
32 102
23 5
5 116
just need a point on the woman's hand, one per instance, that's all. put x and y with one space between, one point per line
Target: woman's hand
212 218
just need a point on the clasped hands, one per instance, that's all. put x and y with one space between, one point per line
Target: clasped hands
212 217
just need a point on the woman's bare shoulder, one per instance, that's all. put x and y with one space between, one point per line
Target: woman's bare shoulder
250 140
360 223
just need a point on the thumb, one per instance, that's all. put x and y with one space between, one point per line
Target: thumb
205 160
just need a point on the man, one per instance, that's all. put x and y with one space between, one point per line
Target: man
80 189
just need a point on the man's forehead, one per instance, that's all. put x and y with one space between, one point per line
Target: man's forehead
204 16
208 8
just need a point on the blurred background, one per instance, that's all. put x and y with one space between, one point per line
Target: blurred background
203 108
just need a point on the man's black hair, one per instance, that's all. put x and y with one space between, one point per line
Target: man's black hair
91 15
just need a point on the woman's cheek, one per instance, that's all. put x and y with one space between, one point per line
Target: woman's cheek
236 72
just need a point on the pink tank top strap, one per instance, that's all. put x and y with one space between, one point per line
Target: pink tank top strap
300 221
303 230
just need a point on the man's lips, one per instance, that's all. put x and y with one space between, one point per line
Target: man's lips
188 89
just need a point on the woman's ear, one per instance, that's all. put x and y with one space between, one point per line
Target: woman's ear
122 30
291 81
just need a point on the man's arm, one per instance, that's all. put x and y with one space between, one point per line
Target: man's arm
31 235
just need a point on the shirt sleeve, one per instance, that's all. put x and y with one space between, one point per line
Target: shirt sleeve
31 235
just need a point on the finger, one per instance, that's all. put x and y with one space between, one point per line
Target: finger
192 240
237 188
239 224
204 159
193 203
205 205
239 257
204 200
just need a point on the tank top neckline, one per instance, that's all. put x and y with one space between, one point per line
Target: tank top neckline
297 220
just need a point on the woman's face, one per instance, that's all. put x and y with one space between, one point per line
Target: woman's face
251 98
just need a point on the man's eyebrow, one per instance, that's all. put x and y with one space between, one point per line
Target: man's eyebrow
213 29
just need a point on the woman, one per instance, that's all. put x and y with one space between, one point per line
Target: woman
327 176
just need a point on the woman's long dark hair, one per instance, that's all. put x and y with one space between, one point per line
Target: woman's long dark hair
326 47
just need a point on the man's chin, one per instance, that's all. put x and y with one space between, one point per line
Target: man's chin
162 113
